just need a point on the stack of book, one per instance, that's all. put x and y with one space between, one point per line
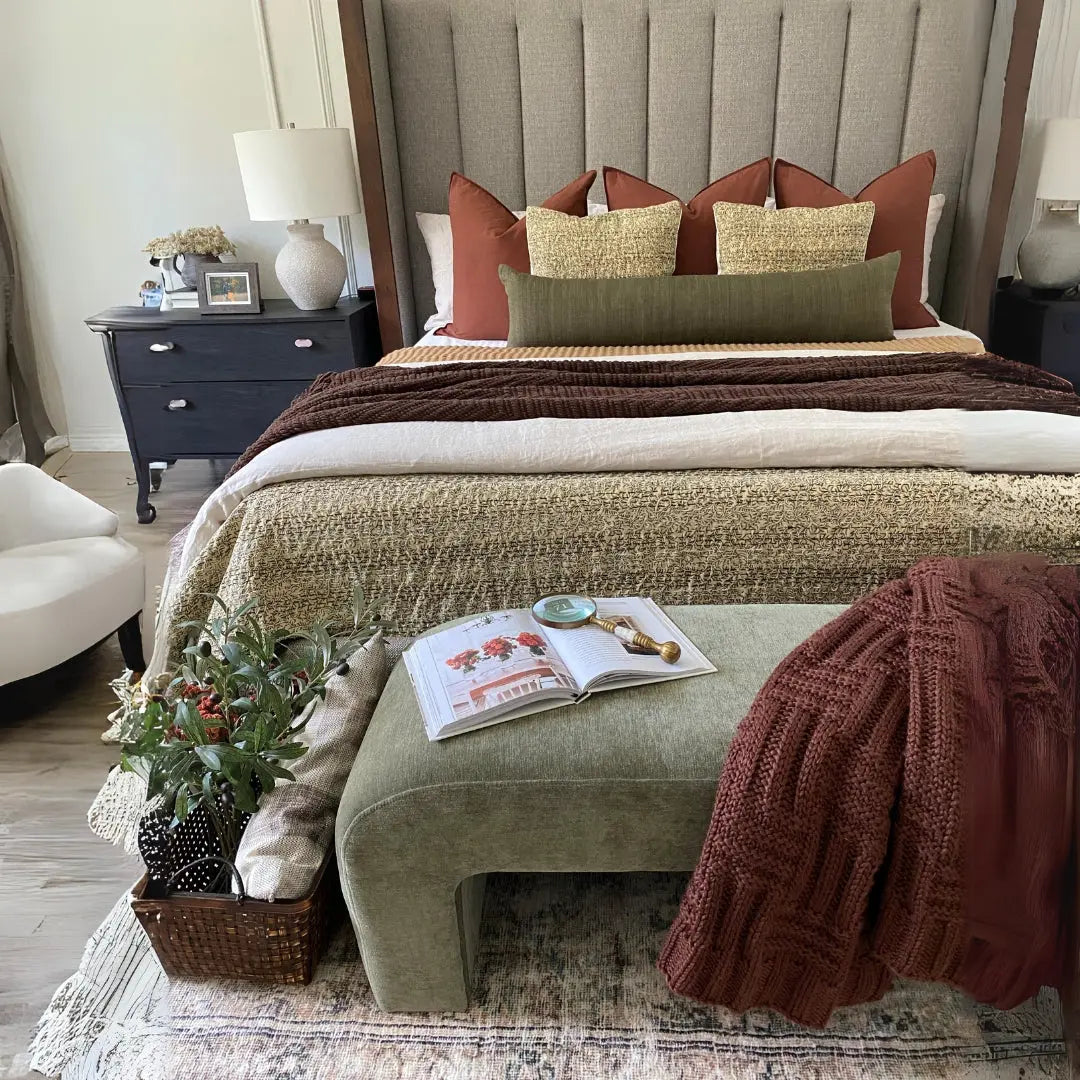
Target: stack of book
180 298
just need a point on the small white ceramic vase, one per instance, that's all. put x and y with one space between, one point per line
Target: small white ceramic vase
311 270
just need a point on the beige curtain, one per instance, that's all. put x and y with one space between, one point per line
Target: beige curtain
24 425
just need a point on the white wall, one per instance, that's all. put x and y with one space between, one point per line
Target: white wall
116 122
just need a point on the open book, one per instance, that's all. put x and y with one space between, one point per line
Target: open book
504 664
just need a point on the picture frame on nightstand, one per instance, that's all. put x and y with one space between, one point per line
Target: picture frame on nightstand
229 289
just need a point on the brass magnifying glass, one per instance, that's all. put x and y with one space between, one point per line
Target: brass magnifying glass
566 611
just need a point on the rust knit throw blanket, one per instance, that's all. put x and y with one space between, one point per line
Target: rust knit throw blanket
897 802
587 389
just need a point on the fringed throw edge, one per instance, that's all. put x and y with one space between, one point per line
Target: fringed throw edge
115 813
116 983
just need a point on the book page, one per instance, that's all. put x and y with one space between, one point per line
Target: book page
491 665
595 656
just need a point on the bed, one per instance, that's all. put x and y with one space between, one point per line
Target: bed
439 523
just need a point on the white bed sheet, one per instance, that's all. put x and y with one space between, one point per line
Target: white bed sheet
1004 441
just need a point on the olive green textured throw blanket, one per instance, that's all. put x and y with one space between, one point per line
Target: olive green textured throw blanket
438 547
598 389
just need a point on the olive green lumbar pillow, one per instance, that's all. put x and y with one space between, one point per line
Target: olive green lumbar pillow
847 303
618 244
753 240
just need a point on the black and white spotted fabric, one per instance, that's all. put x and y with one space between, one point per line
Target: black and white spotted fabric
166 851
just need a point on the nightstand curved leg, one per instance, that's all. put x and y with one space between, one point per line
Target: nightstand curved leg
144 509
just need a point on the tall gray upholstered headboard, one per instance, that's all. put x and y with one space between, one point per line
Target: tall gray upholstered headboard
524 95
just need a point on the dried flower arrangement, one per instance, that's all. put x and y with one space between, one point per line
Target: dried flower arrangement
200 240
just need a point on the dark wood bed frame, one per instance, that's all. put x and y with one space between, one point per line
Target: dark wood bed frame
1018 74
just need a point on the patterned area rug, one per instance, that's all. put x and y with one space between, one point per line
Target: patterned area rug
566 989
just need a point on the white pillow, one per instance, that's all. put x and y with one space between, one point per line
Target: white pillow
933 219
435 229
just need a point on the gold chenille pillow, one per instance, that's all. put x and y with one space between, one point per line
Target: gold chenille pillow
753 240
618 244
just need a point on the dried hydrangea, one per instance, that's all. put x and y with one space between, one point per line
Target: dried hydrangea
201 240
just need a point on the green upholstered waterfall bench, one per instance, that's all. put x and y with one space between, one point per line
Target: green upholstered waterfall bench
624 781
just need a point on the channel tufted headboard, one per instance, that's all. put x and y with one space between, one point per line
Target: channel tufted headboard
524 95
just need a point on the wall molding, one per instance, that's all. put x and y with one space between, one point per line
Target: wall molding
326 97
266 62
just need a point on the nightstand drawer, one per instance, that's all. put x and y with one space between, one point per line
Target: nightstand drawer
249 352
213 419
1061 344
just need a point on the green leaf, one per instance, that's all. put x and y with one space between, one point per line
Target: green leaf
244 796
233 651
266 777
181 806
243 609
209 756
290 751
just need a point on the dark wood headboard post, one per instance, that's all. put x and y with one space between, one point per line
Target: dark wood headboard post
369 156
1025 36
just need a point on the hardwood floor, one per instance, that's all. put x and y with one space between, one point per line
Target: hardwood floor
57 880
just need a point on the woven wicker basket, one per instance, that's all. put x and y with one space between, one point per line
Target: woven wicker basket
200 935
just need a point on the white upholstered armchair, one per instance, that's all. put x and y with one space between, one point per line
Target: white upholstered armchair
67 581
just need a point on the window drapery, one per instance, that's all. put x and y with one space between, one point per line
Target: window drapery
24 423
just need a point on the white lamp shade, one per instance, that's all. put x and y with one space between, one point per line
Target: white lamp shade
295 173
1059 176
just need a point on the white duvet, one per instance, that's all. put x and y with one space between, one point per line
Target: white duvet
1007 441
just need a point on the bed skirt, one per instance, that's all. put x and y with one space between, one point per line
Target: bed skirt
436 547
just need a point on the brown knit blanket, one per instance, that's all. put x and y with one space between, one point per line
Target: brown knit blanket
897 802
610 388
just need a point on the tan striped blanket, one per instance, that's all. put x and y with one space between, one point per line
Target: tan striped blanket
435 354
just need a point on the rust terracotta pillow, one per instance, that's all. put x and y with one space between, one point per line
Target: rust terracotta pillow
697 233
901 198
486 236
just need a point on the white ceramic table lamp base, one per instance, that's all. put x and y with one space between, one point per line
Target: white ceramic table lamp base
310 269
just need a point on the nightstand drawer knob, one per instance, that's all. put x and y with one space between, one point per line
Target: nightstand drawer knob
162 346
303 343
177 403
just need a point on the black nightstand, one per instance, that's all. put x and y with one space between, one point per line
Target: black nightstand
206 386
1037 329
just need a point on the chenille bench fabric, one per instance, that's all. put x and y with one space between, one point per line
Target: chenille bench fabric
622 782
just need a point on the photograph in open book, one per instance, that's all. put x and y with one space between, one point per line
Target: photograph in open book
495 661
